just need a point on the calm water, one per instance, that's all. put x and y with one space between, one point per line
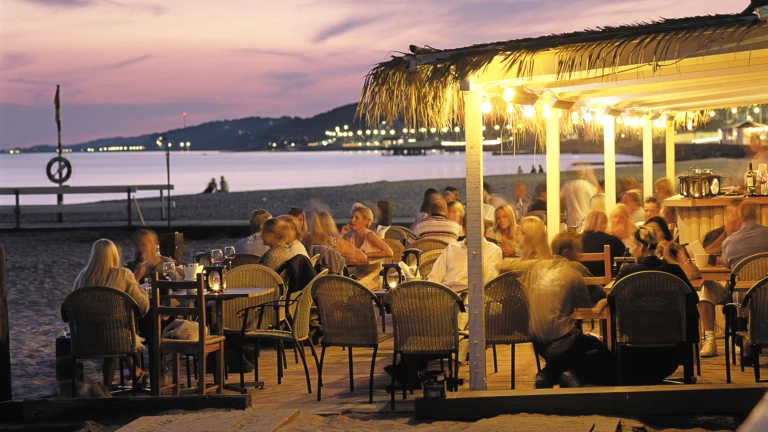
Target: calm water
191 171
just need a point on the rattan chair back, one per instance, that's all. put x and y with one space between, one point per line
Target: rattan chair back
250 276
397 233
314 259
756 301
425 318
428 260
506 311
751 268
347 312
649 308
397 250
101 321
243 258
426 245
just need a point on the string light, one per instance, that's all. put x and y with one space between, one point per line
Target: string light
496 127
587 116
457 129
486 106
433 130
575 116
547 112
510 108
619 120
508 94
756 110
528 111
711 113
734 110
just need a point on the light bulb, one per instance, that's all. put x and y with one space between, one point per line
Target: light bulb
496 127
486 106
456 129
575 115
711 113
619 120
587 116
547 112
508 94
433 130
510 108
756 110
734 110
405 130
528 111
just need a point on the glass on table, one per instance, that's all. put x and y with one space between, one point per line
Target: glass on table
217 257
169 270
229 253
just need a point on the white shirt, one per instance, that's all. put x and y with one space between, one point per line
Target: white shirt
637 216
252 244
297 248
577 195
450 269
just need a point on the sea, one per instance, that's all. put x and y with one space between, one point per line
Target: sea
246 171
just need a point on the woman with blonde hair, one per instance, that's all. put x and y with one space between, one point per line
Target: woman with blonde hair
620 224
504 231
456 213
275 232
366 245
293 237
322 230
532 236
594 239
103 269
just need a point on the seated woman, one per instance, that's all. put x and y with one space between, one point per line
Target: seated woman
649 365
103 269
147 258
366 246
620 224
274 233
302 233
673 252
292 239
322 232
504 232
456 213
532 237
595 238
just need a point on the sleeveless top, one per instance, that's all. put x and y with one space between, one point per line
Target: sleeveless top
366 269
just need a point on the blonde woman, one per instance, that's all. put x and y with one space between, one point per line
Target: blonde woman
456 213
274 233
532 236
594 239
293 236
504 232
620 224
103 269
366 246
302 231
322 231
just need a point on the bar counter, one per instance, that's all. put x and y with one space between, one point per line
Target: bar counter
696 217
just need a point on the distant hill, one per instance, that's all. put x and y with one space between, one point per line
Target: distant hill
250 133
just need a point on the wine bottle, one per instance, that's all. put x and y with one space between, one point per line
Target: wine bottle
751 189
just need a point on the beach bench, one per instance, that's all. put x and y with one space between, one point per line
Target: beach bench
98 207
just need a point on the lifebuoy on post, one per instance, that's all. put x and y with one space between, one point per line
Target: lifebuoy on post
63 166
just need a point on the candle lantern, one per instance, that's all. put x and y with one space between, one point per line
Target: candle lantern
215 278
391 275
415 252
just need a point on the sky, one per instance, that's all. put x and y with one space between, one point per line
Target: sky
129 67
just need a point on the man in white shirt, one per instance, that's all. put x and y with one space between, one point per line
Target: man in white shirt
577 194
253 243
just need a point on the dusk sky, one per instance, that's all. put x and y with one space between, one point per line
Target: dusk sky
129 67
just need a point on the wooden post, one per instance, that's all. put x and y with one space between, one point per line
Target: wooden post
647 157
473 121
385 213
172 245
5 339
609 150
553 175
670 147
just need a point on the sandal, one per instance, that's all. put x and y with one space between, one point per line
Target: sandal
141 378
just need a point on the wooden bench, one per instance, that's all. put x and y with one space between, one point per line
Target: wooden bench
18 209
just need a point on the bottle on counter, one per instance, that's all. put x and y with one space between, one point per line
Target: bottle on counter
751 182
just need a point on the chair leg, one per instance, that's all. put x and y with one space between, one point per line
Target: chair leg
698 359
392 388
285 358
512 368
122 374
226 374
370 381
134 383
296 353
456 377
194 364
279 350
320 374
256 362
688 367
619 364
408 376
727 358
314 354
536 356
201 360
304 362
222 368
351 375
756 361
74 378
189 375
741 356
175 366
495 362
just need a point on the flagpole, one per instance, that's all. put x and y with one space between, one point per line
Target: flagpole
168 177
57 104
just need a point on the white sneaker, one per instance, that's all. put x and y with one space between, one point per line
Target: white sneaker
708 348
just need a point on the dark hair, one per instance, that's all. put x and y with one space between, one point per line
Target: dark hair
487 187
540 189
450 189
140 234
658 220
646 237
425 203
565 241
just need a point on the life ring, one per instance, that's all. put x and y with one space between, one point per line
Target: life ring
63 165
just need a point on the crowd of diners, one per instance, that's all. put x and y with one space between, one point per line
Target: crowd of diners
515 239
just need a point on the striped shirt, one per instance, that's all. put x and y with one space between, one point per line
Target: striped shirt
437 228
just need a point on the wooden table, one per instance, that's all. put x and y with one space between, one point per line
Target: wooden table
604 316
715 273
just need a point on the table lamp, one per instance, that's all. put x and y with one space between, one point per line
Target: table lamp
215 278
390 279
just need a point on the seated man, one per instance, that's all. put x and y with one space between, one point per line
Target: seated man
651 207
554 289
540 194
742 237
634 201
567 246
146 256
436 226
254 243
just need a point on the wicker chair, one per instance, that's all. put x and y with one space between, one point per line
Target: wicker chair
397 250
648 308
425 320
102 322
426 245
428 260
249 276
205 344
756 335
751 268
506 317
397 233
243 258
297 332
349 320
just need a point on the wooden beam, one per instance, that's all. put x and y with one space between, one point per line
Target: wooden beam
553 176
609 152
473 121
647 156
669 140
5 338
620 401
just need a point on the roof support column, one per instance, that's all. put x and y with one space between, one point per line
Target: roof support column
473 121
670 147
647 157
553 175
609 175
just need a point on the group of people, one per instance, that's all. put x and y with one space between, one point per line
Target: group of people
211 188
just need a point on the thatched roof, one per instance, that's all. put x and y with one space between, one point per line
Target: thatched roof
422 87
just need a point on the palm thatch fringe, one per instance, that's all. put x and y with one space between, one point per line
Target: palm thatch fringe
429 93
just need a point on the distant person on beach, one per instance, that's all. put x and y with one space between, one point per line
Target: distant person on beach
519 169
146 255
533 169
541 168
103 269
211 187
254 243
224 186
367 247
274 232
292 236
430 195
454 191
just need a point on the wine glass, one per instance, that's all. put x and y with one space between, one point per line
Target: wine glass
762 175
217 257
229 254
169 269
